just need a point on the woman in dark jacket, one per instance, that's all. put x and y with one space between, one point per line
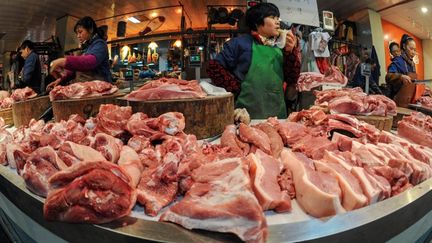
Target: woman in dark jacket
402 70
93 64
254 68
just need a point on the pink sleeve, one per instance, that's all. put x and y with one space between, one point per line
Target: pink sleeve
81 63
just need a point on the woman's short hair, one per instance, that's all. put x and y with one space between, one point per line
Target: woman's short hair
256 14
393 44
87 23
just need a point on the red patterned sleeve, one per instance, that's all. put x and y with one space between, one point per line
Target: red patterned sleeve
292 66
223 78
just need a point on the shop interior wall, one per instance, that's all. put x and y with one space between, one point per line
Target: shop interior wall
427 57
377 39
395 33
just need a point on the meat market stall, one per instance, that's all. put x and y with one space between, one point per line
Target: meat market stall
404 215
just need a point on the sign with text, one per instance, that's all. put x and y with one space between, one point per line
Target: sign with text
298 11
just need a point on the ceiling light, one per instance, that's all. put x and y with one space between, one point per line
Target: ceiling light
179 10
133 20
424 9
154 14
386 37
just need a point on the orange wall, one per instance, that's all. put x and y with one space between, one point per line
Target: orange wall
395 33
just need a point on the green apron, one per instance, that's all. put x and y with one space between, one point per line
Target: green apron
261 90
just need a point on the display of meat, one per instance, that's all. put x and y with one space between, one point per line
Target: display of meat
90 192
40 166
328 163
425 101
167 89
23 94
221 199
355 102
310 80
82 90
417 128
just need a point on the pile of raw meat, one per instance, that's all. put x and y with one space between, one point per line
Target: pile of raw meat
310 80
16 96
82 90
354 101
167 89
96 170
425 101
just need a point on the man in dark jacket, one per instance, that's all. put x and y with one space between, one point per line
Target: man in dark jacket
31 73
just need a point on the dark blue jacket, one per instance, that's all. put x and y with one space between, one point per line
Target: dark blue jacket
98 47
32 76
399 65
236 56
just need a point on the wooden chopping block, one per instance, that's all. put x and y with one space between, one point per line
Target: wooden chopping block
7 116
381 122
205 117
401 112
86 107
24 111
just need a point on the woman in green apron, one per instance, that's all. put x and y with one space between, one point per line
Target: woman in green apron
254 68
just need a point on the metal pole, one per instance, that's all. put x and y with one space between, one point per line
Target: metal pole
367 84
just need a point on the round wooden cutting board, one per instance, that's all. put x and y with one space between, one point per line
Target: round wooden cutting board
24 111
86 107
205 117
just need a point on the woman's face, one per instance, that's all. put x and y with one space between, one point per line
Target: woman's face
82 34
411 49
395 51
270 28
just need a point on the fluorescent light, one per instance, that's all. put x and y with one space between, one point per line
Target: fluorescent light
134 20
424 9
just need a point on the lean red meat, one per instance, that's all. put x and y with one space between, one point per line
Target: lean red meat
310 80
167 89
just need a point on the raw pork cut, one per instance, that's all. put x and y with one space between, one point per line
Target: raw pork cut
167 89
72 153
108 145
23 94
310 80
221 199
417 128
229 139
255 137
276 143
82 90
40 166
317 193
112 119
90 192
264 171
130 162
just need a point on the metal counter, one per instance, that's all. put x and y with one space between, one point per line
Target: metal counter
393 219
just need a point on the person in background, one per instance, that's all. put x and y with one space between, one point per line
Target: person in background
402 70
255 69
360 81
394 50
93 64
31 72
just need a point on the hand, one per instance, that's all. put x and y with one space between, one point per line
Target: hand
241 115
56 65
53 84
405 79
291 41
